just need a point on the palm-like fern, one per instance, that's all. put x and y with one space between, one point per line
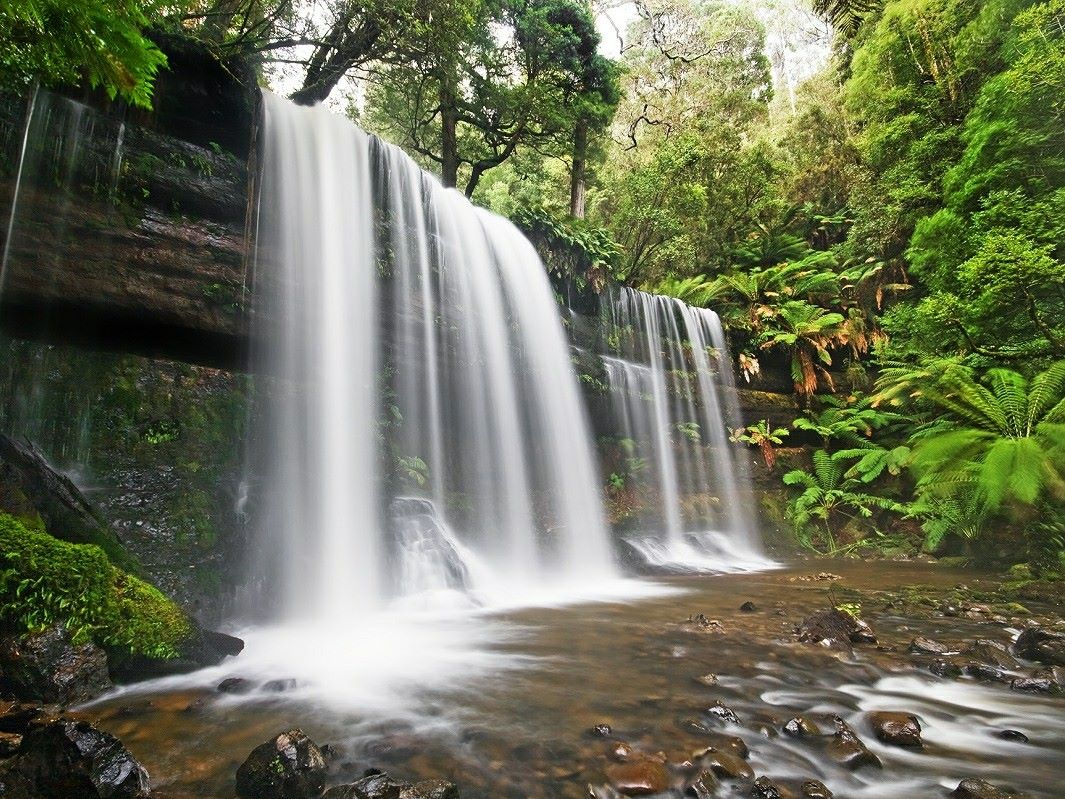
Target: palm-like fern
829 498
807 331
1007 440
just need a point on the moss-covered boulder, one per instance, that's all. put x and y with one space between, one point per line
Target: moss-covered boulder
45 581
45 499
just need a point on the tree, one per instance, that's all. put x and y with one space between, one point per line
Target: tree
470 93
70 41
807 331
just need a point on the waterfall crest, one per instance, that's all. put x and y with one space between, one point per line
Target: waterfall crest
425 423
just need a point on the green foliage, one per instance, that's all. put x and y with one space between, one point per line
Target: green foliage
1005 443
413 470
44 581
829 500
763 437
69 41
571 247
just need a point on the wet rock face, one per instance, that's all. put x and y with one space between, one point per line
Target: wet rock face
897 729
640 778
30 486
979 789
64 759
382 786
1041 645
833 627
848 750
291 766
46 666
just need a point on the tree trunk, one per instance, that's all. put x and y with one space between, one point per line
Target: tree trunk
577 172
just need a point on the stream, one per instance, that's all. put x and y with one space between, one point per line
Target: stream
504 702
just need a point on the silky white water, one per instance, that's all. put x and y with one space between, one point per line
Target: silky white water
425 432
674 398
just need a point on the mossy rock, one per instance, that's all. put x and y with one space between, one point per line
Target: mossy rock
44 581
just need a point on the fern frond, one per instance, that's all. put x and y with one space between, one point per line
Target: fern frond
1046 391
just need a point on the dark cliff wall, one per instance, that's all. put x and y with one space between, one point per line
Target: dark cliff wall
124 290
144 215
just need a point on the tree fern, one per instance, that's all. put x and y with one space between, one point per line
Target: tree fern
1005 441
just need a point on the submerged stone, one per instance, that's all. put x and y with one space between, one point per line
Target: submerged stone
640 778
895 728
980 789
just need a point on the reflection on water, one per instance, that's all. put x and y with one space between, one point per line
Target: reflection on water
502 701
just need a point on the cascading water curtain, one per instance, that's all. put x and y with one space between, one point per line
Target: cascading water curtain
674 399
423 418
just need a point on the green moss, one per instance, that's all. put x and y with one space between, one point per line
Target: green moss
44 581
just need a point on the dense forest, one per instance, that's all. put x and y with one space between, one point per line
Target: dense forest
869 192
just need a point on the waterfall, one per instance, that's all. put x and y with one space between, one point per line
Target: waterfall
674 400
424 423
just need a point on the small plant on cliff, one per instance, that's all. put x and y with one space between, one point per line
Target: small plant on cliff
759 435
44 581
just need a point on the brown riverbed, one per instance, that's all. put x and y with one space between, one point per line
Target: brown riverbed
523 730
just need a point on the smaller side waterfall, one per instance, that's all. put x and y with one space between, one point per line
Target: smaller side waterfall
674 399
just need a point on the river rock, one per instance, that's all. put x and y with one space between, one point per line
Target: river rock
703 786
16 716
723 712
640 778
291 766
985 672
897 729
1012 735
720 742
945 668
979 789
1035 685
621 752
48 667
814 789
801 727
235 685
926 646
66 759
372 786
765 788
727 765
848 750
834 627
201 649
748 607
992 653
1041 645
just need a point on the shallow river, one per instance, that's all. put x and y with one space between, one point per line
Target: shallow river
503 703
